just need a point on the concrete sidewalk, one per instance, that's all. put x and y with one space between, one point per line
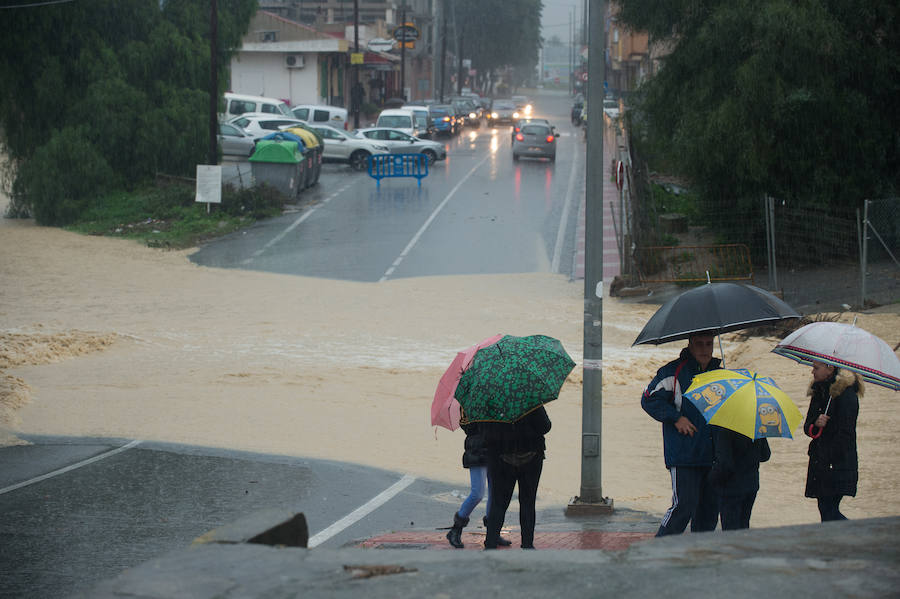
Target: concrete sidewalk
837 559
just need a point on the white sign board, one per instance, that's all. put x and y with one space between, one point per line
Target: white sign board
209 183
381 45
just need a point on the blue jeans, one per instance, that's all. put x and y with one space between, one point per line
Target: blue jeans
479 478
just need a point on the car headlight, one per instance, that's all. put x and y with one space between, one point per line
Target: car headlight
528 109
515 115
472 115
493 115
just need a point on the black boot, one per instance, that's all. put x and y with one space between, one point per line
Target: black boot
455 534
501 542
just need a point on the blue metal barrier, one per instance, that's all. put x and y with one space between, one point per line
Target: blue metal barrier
382 166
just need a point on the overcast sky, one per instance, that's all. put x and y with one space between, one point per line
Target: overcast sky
556 15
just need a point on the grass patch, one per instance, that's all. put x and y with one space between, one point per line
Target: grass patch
667 200
167 215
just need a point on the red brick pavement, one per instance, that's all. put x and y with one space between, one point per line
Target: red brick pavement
588 539
611 262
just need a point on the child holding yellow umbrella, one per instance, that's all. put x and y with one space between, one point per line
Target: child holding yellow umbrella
743 410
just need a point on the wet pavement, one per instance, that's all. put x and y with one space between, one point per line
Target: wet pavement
836 559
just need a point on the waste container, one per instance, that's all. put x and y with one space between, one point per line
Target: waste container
280 164
314 147
309 155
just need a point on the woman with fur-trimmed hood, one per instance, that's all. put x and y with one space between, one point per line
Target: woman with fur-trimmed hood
831 422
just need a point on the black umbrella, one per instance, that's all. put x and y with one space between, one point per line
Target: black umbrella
714 308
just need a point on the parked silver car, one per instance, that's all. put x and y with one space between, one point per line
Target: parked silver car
234 141
403 143
535 140
340 146
261 124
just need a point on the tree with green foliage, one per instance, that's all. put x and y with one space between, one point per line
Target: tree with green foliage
500 34
794 99
103 94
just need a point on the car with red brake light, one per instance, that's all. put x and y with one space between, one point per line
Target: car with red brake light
535 140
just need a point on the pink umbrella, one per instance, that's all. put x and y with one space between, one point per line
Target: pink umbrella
444 407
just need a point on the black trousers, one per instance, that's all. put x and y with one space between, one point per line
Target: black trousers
503 477
735 510
694 501
830 508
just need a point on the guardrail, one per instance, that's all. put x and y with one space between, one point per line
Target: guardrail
690 264
386 166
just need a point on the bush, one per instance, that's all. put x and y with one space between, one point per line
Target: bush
261 201
62 177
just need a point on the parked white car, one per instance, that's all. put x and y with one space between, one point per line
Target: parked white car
236 104
260 124
403 119
403 143
315 114
340 146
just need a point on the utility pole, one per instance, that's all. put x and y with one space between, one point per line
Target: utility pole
212 156
459 69
590 499
571 51
443 47
403 52
355 95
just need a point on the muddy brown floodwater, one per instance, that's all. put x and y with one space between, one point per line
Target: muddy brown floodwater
104 337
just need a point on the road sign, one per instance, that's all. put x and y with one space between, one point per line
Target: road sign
380 44
406 33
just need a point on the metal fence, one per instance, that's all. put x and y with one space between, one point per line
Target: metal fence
817 259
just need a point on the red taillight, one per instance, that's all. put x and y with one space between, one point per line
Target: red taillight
520 137
517 129
550 139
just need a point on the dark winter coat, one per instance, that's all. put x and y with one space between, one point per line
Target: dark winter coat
522 436
736 458
663 401
833 463
475 453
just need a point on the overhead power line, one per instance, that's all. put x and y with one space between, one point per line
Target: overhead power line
37 4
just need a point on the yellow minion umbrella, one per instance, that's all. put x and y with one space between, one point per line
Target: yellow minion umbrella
743 401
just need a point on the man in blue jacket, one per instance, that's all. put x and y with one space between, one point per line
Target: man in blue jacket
687 440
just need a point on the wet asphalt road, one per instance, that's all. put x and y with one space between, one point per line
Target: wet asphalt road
63 534
477 212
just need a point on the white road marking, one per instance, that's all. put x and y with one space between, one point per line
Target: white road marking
96 458
564 219
424 227
362 511
293 226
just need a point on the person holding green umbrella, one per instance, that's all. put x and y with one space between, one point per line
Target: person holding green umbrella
515 454
505 388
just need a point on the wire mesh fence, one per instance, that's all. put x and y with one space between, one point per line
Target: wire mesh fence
817 258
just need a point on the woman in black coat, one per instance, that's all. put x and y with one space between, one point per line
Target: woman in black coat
831 423
515 455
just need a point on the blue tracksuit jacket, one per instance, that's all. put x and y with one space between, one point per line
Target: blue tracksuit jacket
662 400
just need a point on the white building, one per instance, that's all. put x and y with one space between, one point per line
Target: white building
283 59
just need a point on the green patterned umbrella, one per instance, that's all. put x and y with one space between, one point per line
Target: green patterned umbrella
510 378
